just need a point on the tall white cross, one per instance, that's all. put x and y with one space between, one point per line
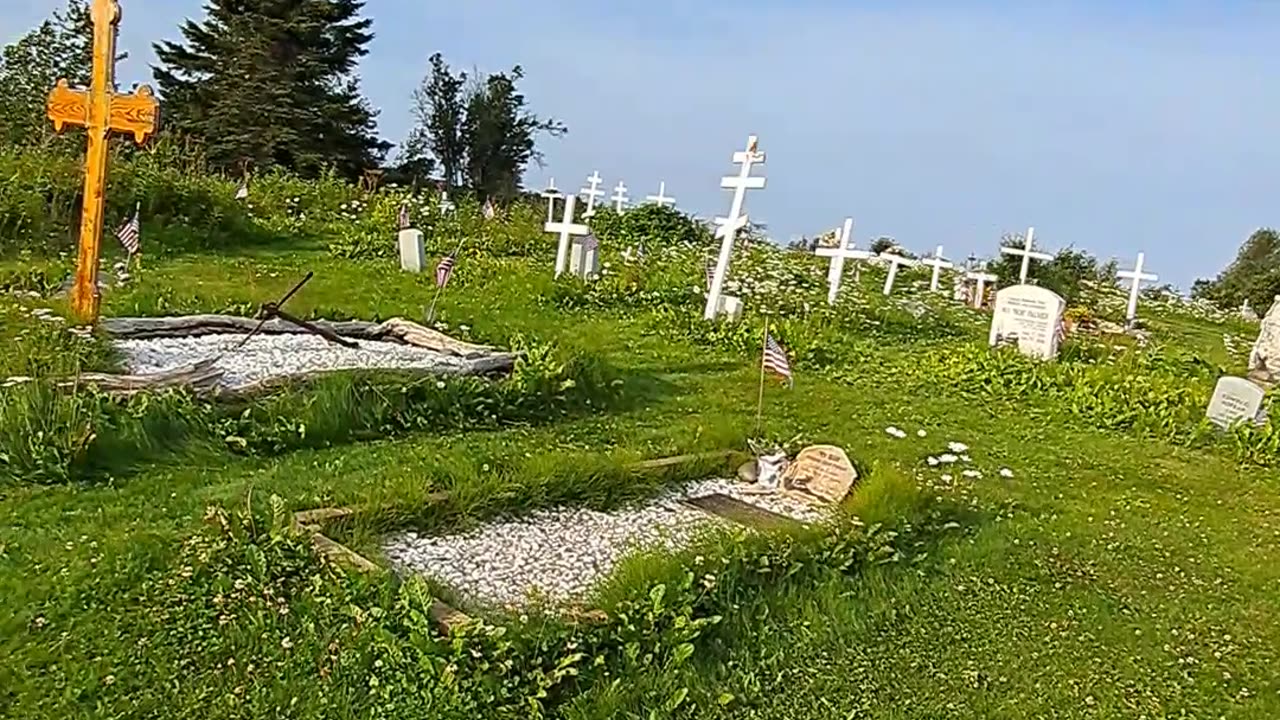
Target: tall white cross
835 270
729 226
552 194
937 262
1027 255
566 227
1136 276
661 198
592 191
620 197
895 261
982 278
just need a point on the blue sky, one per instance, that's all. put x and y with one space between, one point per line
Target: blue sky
1113 127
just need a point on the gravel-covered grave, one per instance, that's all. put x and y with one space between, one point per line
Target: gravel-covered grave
561 553
269 356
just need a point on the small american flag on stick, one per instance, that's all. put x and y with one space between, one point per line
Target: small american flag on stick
444 270
130 234
402 218
710 264
775 358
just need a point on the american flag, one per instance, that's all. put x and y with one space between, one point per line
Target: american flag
444 270
488 210
403 217
775 358
130 233
243 191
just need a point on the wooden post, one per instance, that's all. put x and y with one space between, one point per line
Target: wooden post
99 110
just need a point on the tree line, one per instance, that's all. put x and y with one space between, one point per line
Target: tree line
262 84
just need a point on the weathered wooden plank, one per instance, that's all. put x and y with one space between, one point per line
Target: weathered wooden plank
743 513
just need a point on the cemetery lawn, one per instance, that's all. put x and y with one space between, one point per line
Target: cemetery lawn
1111 575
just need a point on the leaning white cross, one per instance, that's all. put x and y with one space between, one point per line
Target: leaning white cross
838 254
592 192
661 198
552 194
619 197
1136 276
566 227
1027 255
937 262
982 278
729 226
895 261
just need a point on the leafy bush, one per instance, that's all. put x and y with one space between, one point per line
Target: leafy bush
648 227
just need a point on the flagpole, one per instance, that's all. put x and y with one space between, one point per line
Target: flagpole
137 213
764 344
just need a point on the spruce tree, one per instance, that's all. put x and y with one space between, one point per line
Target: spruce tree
272 83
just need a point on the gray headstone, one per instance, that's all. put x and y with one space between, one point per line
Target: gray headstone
1235 399
584 257
1031 316
413 252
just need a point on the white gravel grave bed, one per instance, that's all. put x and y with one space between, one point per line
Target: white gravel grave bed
561 553
269 356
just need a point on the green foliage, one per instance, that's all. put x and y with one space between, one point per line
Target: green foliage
1254 276
273 85
1067 274
58 48
648 228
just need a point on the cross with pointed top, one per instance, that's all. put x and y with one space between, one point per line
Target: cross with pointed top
592 191
728 227
1027 254
100 110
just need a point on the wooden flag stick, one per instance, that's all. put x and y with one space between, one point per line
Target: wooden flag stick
764 344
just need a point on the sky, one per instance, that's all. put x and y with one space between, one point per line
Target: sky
1110 127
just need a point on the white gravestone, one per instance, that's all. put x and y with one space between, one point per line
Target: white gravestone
1030 314
1135 276
838 254
730 307
937 262
981 278
567 228
661 198
1235 399
895 261
729 226
552 195
592 191
620 197
413 252
1027 255
584 260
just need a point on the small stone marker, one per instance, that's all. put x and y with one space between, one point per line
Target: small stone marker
895 261
1027 255
820 473
982 278
1136 276
937 262
1264 358
730 306
592 191
567 228
1235 399
584 260
661 198
1032 315
838 254
413 252
620 197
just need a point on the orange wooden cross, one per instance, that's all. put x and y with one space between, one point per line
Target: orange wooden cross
100 110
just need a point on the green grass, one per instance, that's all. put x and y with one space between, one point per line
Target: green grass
1121 572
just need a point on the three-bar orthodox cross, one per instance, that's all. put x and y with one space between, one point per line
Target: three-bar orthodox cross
100 110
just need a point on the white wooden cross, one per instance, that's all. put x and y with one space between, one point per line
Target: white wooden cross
895 261
661 198
937 262
446 205
838 254
567 228
1027 255
982 278
1136 276
592 191
552 195
620 197
729 226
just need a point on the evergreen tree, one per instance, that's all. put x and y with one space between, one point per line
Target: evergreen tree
60 47
1253 276
272 83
